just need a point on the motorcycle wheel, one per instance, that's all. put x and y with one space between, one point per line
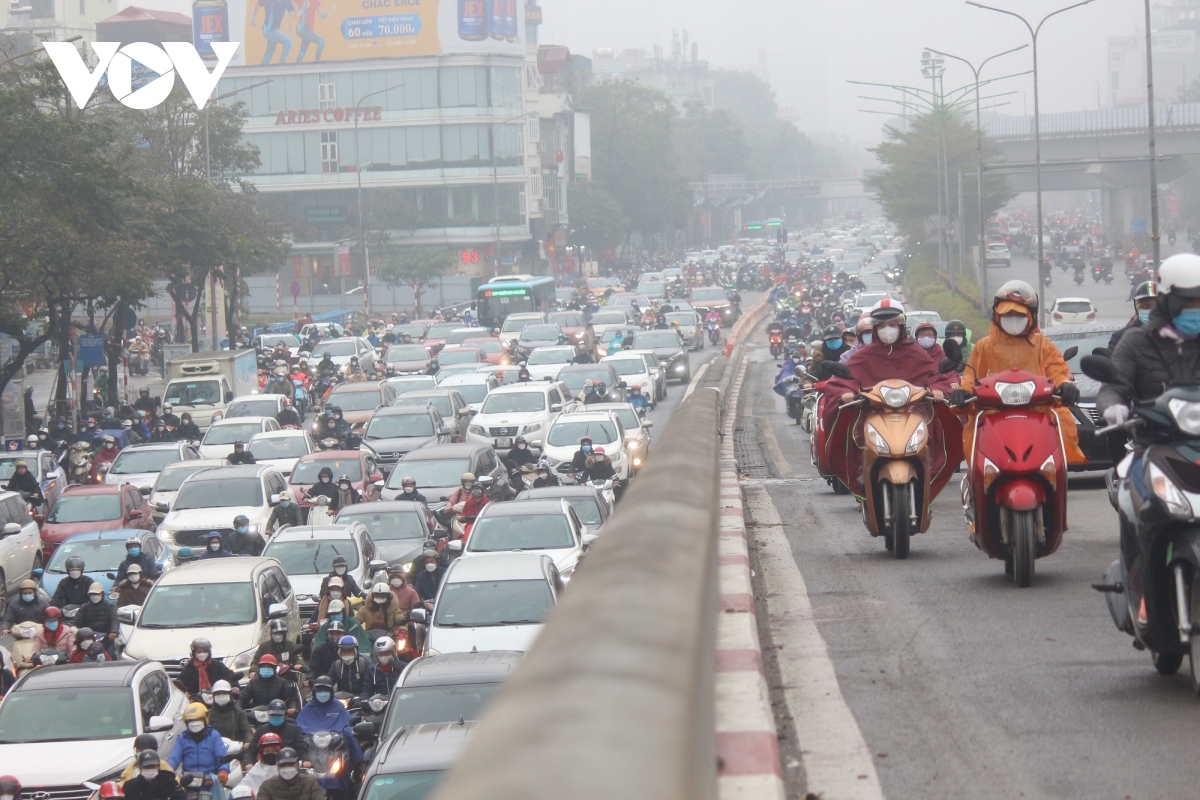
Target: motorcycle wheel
1194 647
1023 536
838 487
900 532
1167 663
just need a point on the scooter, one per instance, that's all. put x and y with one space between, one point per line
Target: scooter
776 338
80 462
714 332
331 759
1079 277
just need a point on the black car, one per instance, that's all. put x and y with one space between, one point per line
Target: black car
398 528
1087 338
669 349
575 375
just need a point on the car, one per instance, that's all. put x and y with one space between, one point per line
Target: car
223 433
342 349
358 401
412 761
435 335
265 343
575 327
447 688
605 430
20 553
473 386
513 324
398 430
323 328
637 431
865 301
210 499
493 601
359 466
1086 338
281 449
458 369
461 335
605 339
438 471
93 507
574 376
545 527
505 373
535 336
597 286
229 601
455 410
1072 311
140 464
44 466
398 528
461 354
93 711
407 359
639 303
167 484
691 328
998 255
589 503
639 368
306 553
915 318
519 409
412 383
669 349
658 374
492 347
546 362
415 330
714 298
255 405
611 318
102 552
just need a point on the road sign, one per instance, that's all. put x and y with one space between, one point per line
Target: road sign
91 350
1139 226
295 288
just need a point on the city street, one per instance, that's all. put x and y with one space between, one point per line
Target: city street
961 684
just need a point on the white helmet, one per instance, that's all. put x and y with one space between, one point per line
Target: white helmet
1180 274
32 441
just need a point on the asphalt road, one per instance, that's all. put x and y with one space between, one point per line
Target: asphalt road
963 685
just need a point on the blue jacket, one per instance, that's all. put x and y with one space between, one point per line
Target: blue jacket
331 716
144 560
222 553
199 756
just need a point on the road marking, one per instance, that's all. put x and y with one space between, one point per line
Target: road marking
837 762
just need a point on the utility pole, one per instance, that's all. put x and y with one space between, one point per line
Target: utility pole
1155 233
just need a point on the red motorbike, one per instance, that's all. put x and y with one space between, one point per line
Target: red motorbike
776 338
1018 472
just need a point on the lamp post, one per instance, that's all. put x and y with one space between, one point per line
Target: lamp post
1155 238
1037 128
496 185
932 68
362 229
982 267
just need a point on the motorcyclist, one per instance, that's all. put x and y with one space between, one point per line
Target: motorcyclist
280 383
200 672
343 427
474 504
240 454
350 670
105 456
616 343
523 375
349 625
22 480
711 317
255 772
545 477
521 454
340 570
135 435
430 577
279 723
135 555
380 611
145 742
200 748
85 641
326 366
152 782
227 716
383 673
28 607
463 491
59 433
1145 296
168 416
100 615
290 783
160 433
831 343
266 684
347 494
926 336
325 713
187 430
73 589
599 466
287 415
243 541
55 633
324 487
278 646
215 547
133 590
408 491
579 461
406 596
287 512
636 399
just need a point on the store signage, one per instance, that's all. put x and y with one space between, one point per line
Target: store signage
313 116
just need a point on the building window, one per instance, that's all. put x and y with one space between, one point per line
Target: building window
535 185
329 151
326 91
535 127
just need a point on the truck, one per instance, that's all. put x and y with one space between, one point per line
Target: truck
203 384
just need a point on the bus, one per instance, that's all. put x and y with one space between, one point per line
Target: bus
513 294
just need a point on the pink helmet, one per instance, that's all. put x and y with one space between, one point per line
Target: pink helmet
598 451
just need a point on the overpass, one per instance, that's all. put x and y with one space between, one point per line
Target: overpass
1106 150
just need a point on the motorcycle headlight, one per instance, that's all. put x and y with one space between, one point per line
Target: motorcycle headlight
377 704
534 428
877 441
1186 414
1016 394
477 430
896 396
1166 491
914 441
242 660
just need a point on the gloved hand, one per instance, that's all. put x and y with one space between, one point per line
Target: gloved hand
1116 415
1069 393
847 397
223 778
959 397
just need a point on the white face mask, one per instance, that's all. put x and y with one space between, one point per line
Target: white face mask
134 577
1014 324
150 774
75 573
347 659
339 570
277 637
215 546
195 726
397 583
221 699
888 334
958 339
202 657
335 594
431 567
95 598
288 773
926 341
85 645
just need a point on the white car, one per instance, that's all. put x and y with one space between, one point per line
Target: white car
633 366
340 351
323 328
546 362
167 483
605 430
518 409
306 553
210 499
219 440
548 527
412 383
637 431
492 602
281 449
473 386
20 541
1072 311
510 331
140 464
254 405
998 254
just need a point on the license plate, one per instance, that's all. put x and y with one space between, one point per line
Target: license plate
505 442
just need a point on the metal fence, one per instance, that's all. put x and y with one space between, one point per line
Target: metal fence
1105 121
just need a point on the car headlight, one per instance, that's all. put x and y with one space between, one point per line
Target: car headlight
534 428
914 441
877 441
1177 505
1186 414
165 535
476 429
407 566
1017 394
896 396
633 445
242 660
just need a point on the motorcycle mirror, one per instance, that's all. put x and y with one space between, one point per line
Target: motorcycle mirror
1070 353
1099 368
837 369
1102 351
953 352
456 545
947 365
444 498
112 576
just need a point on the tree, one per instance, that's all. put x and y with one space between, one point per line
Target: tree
597 220
710 142
418 268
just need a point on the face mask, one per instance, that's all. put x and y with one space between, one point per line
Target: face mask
26 597
52 625
1143 315
323 697
195 726
957 339
202 657
150 774
85 645
1188 322
135 578
409 489
275 721
926 341
396 583
285 503
270 758
335 594
587 448
109 446
134 551
888 335
521 447
431 567
339 570
868 337
1014 324
95 598
543 475
277 637
345 487
215 546
347 659
385 660
335 617
221 699
241 529
325 479
288 773
75 573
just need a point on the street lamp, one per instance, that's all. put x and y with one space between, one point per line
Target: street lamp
933 69
496 184
1037 127
362 231
1155 239
983 287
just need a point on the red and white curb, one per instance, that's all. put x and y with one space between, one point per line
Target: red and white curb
747 743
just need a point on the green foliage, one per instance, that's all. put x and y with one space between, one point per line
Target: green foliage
597 220
927 290
416 267
710 143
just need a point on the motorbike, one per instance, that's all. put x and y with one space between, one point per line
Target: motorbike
24 648
330 756
776 338
1079 277
80 462
714 332
1159 527
197 785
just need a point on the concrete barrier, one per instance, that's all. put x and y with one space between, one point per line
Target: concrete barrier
744 325
615 699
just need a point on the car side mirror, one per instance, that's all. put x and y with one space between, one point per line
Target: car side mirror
163 507
159 724
137 513
1070 353
277 610
557 407
112 576
443 431
127 616
11 527
462 412
589 539
647 423
456 545
229 397
274 499
378 484
39 572
418 615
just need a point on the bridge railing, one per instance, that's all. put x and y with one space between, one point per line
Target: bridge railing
1122 119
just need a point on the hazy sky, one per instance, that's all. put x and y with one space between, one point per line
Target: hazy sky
813 48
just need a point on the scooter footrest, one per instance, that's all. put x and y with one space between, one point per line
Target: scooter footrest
1109 588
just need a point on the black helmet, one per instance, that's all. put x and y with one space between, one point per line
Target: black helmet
339 561
833 332
278 626
201 644
88 633
287 755
144 391
74 562
241 519
1144 290
145 741
955 327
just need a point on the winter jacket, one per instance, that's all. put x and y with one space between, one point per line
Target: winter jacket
63 644
165 786
19 611
406 599
321 660
380 682
426 583
130 595
213 671
415 497
149 566
71 592
352 629
25 483
1150 360
331 716
349 586
289 732
230 721
198 753
260 692
382 618
281 515
285 652
100 617
349 677
302 787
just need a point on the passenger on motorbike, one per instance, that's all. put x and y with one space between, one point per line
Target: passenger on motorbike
227 716
55 634
350 626
265 766
926 335
133 590
200 748
281 725
862 336
187 430
152 782
73 589
350 670
1145 296
290 783
201 672
384 670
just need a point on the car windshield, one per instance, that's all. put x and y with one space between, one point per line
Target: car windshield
307 472
85 508
267 406
487 345
335 348
397 426
514 325
471 392
362 400
491 603
407 352
265 449
414 329
565 433
686 319
514 403
193 393
587 509
708 294
429 472
567 320
541 333
414 383
460 335
99 555
551 355
228 434
520 532
610 318
1073 306
9 465
387 526
198 605
132 462
222 493
403 785
649 340
66 715
312 556
628 417
428 705
466 355
628 366
440 402
171 478
440 331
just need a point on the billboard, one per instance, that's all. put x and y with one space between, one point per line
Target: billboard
310 31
